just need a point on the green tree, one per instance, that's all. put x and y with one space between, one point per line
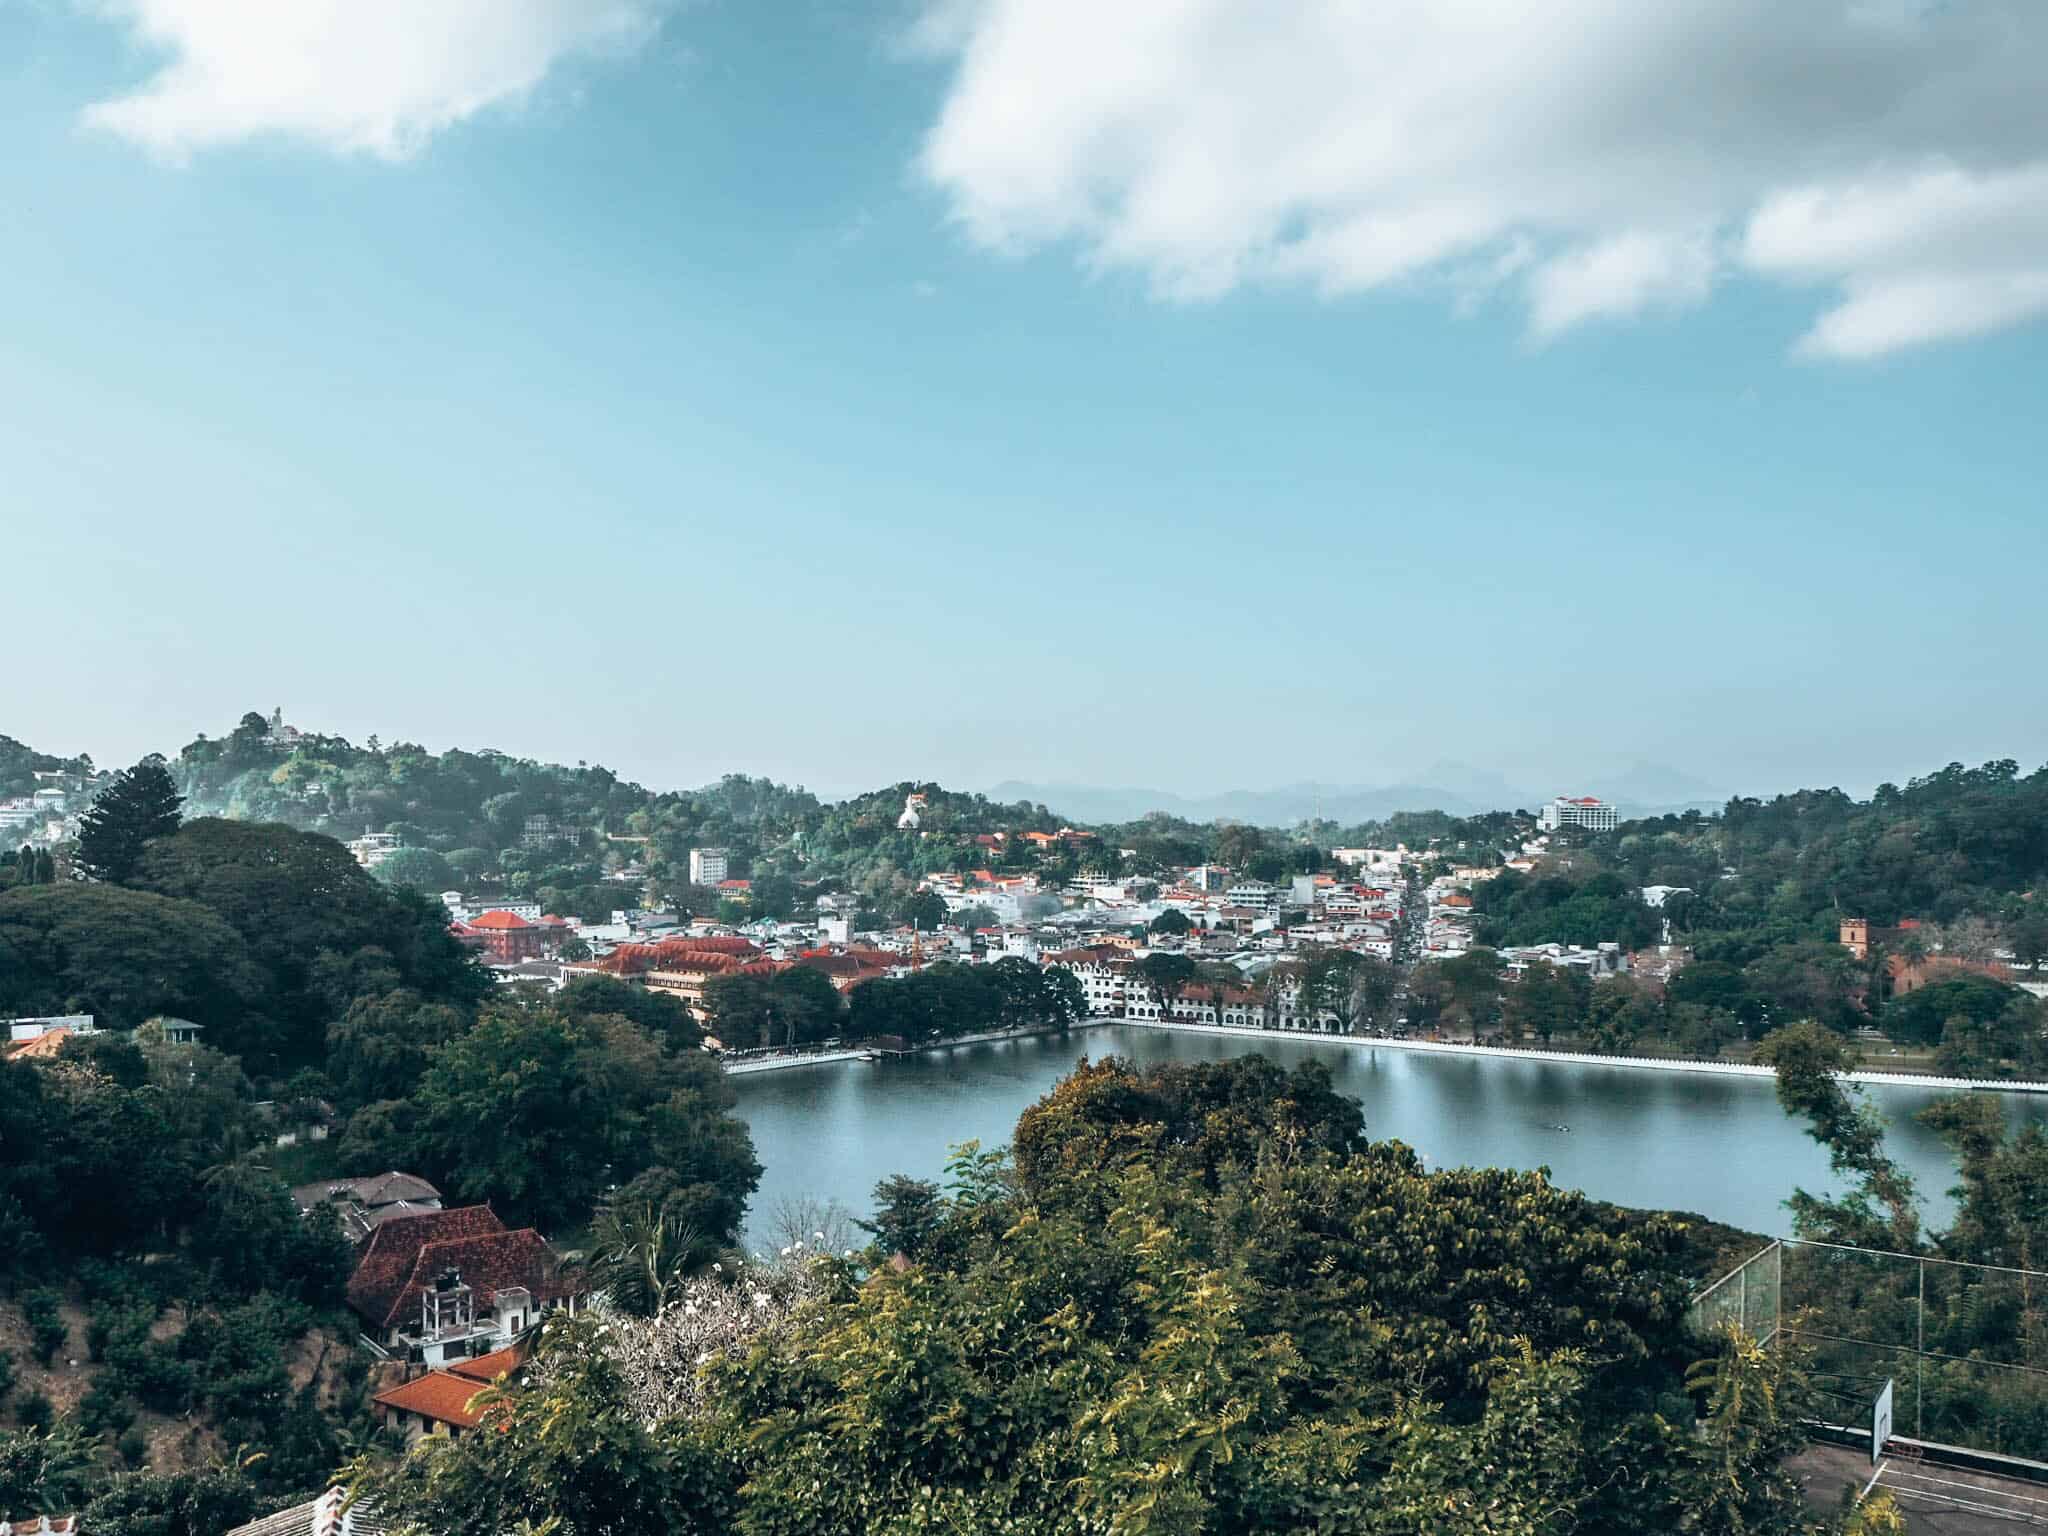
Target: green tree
140 806
420 869
538 1114
923 910
126 956
1881 1212
380 1047
908 1213
798 1006
1166 973
1172 921
320 927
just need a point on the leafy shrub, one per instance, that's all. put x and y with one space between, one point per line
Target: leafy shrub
105 1409
34 1411
45 1322
133 1446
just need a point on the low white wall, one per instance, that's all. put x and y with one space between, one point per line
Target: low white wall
1580 1058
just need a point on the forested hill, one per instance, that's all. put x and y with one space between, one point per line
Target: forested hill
1960 842
20 764
581 839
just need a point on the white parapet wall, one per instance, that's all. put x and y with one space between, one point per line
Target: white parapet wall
1579 1058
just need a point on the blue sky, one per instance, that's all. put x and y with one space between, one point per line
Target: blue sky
854 392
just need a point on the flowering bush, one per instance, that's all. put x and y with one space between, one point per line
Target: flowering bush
719 1315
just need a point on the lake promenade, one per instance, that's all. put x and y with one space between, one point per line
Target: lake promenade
837 1054
1577 1058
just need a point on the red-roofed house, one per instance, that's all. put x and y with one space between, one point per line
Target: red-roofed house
446 1285
434 1404
439 1403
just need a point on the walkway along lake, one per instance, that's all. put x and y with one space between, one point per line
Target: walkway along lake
1719 1145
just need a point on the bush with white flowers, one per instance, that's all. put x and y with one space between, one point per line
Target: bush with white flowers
719 1315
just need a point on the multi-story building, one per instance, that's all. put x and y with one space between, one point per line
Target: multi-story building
1586 811
449 1284
708 866
505 936
1103 971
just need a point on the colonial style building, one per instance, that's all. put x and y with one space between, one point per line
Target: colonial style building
446 1285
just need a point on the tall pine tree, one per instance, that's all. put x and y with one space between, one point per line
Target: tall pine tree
141 804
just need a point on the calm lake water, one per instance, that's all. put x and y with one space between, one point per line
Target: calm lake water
1717 1145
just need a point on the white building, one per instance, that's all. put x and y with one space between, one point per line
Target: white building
373 848
708 866
1255 894
1586 811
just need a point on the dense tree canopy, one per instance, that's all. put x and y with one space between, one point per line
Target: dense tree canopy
322 930
126 955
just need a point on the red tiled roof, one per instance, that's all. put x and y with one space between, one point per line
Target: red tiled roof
700 954
853 962
490 1367
438 1395
394 1248
500 920
735 885
489 1263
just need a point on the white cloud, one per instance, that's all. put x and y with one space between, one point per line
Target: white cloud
1621 275
378 77
1925 256
1596 159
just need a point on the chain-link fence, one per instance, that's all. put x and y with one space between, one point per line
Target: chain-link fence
1747 1297
1967 1344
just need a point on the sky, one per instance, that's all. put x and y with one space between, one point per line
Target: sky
1187 393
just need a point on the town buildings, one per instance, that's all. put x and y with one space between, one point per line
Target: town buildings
708 866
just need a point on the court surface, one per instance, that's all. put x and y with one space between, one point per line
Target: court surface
1937 1501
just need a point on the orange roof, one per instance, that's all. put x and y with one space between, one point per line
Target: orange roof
488 1368
437 1395
500 920
45 1046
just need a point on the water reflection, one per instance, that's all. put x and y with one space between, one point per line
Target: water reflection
1717 1145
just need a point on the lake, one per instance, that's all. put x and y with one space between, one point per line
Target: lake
1720 1146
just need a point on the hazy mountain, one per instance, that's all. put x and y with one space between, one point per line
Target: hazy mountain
1656 787
1278 807
1640 789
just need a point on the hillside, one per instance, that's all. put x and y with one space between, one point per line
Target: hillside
19 765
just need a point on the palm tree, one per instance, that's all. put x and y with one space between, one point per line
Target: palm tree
641 1255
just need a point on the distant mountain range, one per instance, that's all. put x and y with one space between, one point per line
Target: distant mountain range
1640 789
